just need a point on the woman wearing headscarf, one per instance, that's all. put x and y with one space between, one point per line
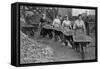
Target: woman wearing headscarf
66 25
56 24
43 21
79 26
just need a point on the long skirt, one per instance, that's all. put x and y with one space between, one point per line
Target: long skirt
67 39
44 32
58 35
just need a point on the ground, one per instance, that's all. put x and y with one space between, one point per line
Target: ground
65 53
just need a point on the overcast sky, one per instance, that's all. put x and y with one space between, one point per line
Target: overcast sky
75 12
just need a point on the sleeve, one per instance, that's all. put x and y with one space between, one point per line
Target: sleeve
74 26
63 24
70 24
84 26
41 20
53 22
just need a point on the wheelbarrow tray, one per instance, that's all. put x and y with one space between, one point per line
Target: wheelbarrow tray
68 32
48 27
82 38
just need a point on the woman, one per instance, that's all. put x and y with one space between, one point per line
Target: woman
43 21
66 25
79 26
57 24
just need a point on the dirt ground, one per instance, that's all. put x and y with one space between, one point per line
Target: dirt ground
65 53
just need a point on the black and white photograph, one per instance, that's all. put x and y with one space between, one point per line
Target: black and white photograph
55 34
49 34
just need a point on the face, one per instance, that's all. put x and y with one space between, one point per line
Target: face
80 17
67 18
57 17
44 16
60 17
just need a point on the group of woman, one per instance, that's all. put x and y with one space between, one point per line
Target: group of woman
64 23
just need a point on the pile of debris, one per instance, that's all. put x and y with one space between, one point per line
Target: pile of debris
33 52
